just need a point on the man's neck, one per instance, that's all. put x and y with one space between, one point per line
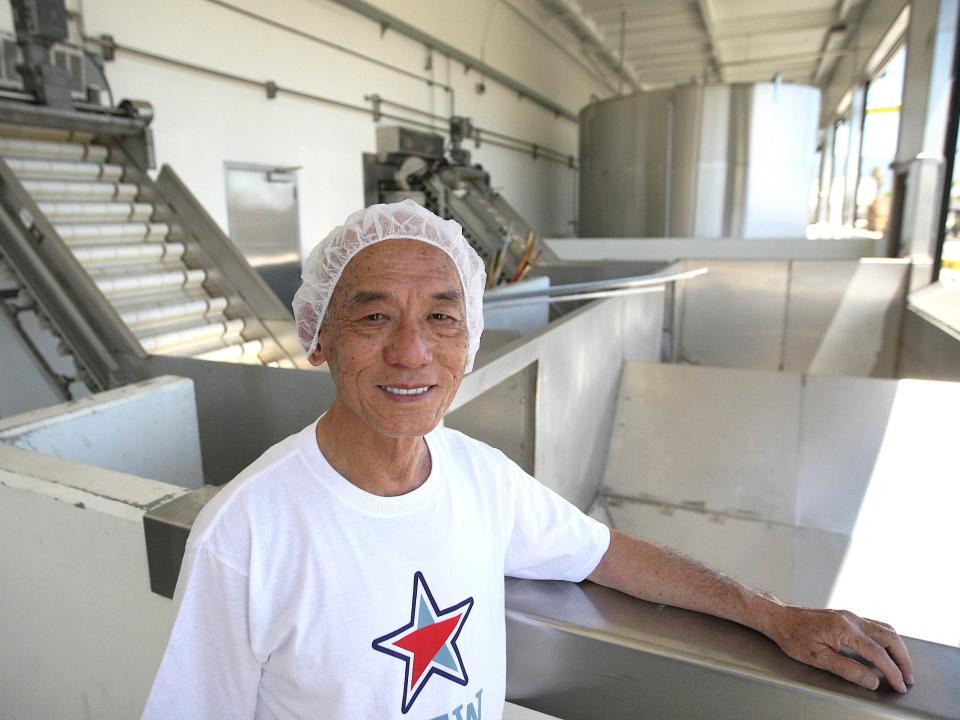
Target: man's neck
375 463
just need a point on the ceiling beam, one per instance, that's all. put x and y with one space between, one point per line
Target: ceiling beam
709 19
835 36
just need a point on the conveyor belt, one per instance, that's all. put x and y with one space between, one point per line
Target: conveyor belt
166 290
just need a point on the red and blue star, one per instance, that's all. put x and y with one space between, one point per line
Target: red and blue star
428 643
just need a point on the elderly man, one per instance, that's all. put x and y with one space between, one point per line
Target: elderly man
355 570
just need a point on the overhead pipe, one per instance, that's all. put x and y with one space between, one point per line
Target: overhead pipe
387 20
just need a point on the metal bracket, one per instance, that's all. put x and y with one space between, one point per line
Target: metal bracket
108 47
271 88
166 530
376 103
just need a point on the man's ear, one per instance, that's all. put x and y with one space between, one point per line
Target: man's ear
317 357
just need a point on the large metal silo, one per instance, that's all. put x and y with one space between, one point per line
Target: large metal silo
734 160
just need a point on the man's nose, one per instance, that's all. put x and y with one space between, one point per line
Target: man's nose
408 345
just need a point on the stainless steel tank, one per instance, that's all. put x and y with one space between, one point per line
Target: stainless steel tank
734 160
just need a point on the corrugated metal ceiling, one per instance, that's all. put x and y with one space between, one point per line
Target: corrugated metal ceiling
669 42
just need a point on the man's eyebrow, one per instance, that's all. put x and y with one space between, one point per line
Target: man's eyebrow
365 297
448 296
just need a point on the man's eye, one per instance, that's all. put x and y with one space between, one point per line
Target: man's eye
374 317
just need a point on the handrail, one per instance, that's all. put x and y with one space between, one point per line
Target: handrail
588 290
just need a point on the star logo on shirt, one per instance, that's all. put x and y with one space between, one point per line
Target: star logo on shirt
428 643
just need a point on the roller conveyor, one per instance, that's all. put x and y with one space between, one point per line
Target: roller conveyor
168 294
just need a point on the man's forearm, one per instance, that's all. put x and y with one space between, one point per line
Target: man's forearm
657 574
816 637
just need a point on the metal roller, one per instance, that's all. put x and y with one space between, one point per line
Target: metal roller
98 211
132 252
22 147
155 313
247 352
165 342
39 169
111 285
74 190
98 233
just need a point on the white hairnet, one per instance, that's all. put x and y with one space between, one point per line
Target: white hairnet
407 219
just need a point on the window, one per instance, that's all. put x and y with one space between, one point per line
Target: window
881 126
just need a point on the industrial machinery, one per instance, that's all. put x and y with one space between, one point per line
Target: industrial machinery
413 164
113 262
699 161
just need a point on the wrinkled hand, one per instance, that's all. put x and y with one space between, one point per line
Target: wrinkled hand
818 637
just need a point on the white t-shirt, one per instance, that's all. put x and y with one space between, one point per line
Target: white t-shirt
302 596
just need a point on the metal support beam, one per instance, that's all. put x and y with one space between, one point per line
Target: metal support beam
709 19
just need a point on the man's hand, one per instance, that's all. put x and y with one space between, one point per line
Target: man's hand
823 638
816 637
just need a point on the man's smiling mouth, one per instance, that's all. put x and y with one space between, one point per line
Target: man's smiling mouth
405 391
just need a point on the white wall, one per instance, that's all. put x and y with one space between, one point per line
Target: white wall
202 121
82 634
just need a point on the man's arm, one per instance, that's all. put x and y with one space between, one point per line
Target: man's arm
816 637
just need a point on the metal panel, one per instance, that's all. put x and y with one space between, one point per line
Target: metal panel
582 651
503 417
928 350
28 382
522 318
798 565
242 409
152 430
264 222
734 316
578 359
816 290
710 439
842 429
808 486
166 530
862 337
907 518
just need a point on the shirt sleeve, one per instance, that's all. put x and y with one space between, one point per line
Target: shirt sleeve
208 668
550 539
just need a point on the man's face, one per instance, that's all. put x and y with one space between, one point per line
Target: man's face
395 337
